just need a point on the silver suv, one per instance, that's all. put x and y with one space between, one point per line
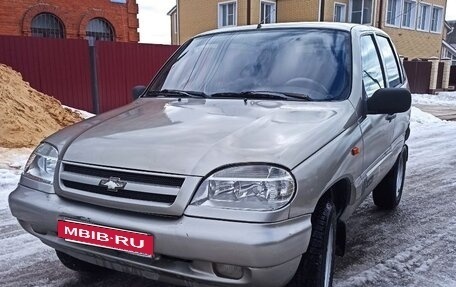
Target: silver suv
237 166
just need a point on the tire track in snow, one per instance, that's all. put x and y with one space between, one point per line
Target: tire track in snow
413 245
417 258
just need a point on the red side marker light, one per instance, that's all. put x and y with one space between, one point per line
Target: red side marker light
355 151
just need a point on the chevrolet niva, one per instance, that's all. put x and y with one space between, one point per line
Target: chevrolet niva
238 165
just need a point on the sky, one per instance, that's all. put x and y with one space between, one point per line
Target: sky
154 24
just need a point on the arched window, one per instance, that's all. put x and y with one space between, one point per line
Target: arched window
100 29
47 25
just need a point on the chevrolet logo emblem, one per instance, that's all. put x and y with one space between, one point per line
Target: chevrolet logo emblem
113 184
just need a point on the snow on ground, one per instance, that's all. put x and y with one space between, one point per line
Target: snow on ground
415 245
441 99
83 114
420 117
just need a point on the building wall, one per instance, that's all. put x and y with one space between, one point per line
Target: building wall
197 16
414 43
16 16
329 9
297 10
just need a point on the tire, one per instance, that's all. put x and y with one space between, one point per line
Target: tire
79 265
387 195
317 264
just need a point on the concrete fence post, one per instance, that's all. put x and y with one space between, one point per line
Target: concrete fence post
446 73
434 74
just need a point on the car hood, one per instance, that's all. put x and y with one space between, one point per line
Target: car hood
196 136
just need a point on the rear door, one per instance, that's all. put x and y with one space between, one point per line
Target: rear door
377 129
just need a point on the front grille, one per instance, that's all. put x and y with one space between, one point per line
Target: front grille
127 176
124 193
149 192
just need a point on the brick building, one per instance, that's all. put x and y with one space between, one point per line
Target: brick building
111 20
416 26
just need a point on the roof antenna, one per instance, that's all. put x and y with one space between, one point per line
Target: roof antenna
260 24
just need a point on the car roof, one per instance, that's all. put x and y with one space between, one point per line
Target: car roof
296 25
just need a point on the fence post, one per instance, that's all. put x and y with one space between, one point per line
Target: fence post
446 73
434 74
94 75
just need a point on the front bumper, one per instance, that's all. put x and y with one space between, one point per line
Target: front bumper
186 247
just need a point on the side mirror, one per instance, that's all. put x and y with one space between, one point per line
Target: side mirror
138 91
389 101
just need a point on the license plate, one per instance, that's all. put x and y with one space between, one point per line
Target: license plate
106 237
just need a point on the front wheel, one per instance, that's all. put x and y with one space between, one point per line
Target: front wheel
317 265
388 193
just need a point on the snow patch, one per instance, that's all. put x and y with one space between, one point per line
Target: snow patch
441 99
420 117
12 162
82 113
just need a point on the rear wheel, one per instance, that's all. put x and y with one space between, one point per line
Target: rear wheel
78 265
388 193
317 265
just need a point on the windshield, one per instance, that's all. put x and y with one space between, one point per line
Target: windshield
314 63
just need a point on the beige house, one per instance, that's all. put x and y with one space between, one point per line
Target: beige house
416 26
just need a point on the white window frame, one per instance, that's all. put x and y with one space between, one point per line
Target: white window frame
350 12
440 20
427 26
219 13
274 8
398 16
344 9
413 16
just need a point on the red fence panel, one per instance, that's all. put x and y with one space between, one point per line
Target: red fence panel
418 75
59 68
121 66
453 76
440 76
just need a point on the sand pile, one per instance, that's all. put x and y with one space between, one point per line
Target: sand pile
26 115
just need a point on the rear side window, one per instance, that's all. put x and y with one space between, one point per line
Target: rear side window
372 68
391 64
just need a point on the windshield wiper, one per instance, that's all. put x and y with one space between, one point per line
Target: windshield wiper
263 95
177 93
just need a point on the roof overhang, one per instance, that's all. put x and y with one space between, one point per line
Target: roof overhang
172 11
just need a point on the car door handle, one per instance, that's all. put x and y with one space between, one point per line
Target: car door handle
390 117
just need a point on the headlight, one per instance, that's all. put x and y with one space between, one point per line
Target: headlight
253 187
41 164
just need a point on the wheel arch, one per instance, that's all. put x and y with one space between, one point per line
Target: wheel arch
340 193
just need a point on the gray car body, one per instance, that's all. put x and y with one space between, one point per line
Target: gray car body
192 138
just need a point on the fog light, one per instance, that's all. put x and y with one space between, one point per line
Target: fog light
228 271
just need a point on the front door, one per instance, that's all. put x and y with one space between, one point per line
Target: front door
377 129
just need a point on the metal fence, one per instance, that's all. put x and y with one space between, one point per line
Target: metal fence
419 75
453 76
96 79
59 68
121 66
